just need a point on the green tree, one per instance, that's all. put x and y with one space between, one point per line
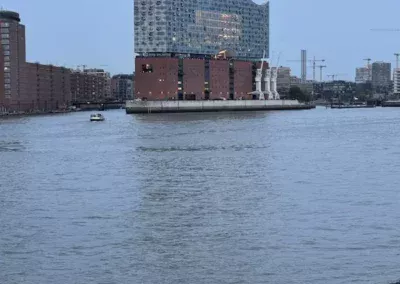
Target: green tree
295 93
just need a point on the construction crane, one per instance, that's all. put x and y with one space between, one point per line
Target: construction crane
334 76
385 30
320 71
313 62
368 60
83 66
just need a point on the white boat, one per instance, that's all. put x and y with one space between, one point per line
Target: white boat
97 117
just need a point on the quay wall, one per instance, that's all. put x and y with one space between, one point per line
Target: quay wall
134 106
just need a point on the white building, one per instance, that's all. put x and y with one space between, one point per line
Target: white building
396 81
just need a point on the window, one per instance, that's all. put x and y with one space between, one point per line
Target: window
6 52
7 81
4 30
6 47
147 68
5 36
7 86
5 41
5 25
7 64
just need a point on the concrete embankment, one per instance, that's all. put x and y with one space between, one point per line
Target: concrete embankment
212 106
391 104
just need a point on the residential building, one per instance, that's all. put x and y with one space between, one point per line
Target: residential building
396 81
336 89
12 59
122 86
201 50
90 85
381 76
44 88
104 81
363 74
24 86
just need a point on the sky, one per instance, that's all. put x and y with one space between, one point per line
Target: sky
99 33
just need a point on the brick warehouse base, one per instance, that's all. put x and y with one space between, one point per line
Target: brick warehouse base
167 78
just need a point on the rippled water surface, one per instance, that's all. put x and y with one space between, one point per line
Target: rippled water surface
279 197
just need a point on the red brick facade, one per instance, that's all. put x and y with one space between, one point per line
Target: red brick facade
26 87
243 83
44 88
156 78
194 77
219 79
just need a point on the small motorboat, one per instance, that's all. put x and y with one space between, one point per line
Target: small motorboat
97 117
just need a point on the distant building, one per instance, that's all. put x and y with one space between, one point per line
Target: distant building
284 80
12 59
363 75
27 86
295 81
104 81
381 76
193 50
90 85
336 89
44 88
303 66
396 81
307 86
122 86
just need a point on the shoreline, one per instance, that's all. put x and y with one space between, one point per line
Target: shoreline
136 107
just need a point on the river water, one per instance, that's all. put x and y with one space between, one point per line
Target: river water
259 197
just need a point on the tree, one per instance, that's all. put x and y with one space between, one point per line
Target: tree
295 93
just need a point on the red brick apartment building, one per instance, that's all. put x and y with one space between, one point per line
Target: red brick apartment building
24 86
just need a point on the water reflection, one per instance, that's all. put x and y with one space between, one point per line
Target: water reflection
11 146
196 117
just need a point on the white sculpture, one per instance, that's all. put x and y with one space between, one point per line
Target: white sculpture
258 83
267 84
274 79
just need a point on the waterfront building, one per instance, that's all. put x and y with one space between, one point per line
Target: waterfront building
27 86
198 49
363 75
336 89
396 81
12 57
381 76
284 80
122 86
90 85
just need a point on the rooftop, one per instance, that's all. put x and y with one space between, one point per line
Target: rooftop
9 15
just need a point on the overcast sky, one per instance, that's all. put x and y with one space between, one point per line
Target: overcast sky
100 32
